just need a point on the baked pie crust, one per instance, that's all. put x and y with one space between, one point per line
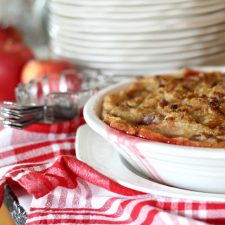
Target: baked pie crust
184 109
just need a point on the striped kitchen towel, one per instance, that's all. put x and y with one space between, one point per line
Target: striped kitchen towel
42 159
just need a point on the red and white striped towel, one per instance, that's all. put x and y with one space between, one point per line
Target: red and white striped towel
67 191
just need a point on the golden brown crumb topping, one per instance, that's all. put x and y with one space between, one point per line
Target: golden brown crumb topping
188 106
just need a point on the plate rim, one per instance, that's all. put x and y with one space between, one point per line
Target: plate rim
147 186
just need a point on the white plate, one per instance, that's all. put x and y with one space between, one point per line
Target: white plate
171 11
160 24
132 68
150 41
105 34
156 50
217 62
134 58
125 3
99 154
189 5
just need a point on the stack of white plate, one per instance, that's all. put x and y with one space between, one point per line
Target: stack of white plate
138 36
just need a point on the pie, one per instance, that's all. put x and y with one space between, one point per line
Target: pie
185 109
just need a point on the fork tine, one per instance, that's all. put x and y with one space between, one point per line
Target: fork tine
18 116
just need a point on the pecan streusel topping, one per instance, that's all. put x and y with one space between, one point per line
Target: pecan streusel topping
186 108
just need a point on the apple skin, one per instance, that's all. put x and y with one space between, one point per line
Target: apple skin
12 59
9 35
35 69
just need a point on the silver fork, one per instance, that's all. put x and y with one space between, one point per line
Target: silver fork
56 106
15 115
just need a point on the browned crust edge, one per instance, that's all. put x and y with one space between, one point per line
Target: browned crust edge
157 137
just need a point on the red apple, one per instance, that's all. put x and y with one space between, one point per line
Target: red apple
39 68
9 35
12 59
